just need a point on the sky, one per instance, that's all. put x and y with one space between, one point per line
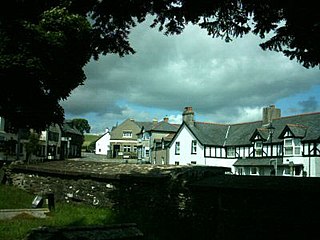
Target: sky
222 82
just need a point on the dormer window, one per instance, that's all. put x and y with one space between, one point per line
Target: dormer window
127 134
258 148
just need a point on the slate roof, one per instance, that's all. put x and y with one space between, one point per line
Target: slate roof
256 162
68 129
158 127
304 126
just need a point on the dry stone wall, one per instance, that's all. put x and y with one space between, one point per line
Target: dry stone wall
107 185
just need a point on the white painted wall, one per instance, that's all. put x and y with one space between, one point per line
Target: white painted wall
103 144
185 138
221 162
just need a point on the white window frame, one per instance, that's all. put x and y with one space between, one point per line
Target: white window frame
126 148
258 148
194 146
127 134
177 148
292 147
240 171
231 152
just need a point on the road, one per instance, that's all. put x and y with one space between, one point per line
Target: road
86 156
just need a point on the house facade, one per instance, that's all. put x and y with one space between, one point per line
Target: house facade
71 141
102 145
54 143
151 134
14 144
124 139
282 146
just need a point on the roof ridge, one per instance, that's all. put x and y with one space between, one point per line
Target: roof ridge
296 125
242 123
298 115
213 123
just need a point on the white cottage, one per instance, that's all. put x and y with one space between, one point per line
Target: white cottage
199 143
103 144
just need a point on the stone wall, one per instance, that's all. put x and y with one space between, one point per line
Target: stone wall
183 202
154 197
106 185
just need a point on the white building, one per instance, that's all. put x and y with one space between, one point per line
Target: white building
103 144
284 146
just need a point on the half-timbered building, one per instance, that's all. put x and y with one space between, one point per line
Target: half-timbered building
275 145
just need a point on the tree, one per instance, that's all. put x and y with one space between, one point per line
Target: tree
42 53
32 145
81 124
44 45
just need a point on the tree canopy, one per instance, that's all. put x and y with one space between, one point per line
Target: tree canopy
45 44
81 124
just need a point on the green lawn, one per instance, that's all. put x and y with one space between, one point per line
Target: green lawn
64 214
89 139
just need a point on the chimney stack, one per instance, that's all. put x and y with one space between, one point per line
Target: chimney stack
166 119
154 121
188 115
270 113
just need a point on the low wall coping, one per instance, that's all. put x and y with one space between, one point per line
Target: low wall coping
110 171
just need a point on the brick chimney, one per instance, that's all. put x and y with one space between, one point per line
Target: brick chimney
269 113
188 115
166 119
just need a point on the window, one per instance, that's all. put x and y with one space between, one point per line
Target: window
258 148
287 171
177 148
231 152
146 136
297 146
240 171
194 147
127 134
127 148
292 146
147 152
176 163
254 170
193 162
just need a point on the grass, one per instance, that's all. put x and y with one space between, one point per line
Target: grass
64 215
11 197
89 138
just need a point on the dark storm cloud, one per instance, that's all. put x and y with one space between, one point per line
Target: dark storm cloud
220 80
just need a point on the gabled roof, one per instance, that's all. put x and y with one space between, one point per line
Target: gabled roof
263 133
162 126
69 129
298 131
305 126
